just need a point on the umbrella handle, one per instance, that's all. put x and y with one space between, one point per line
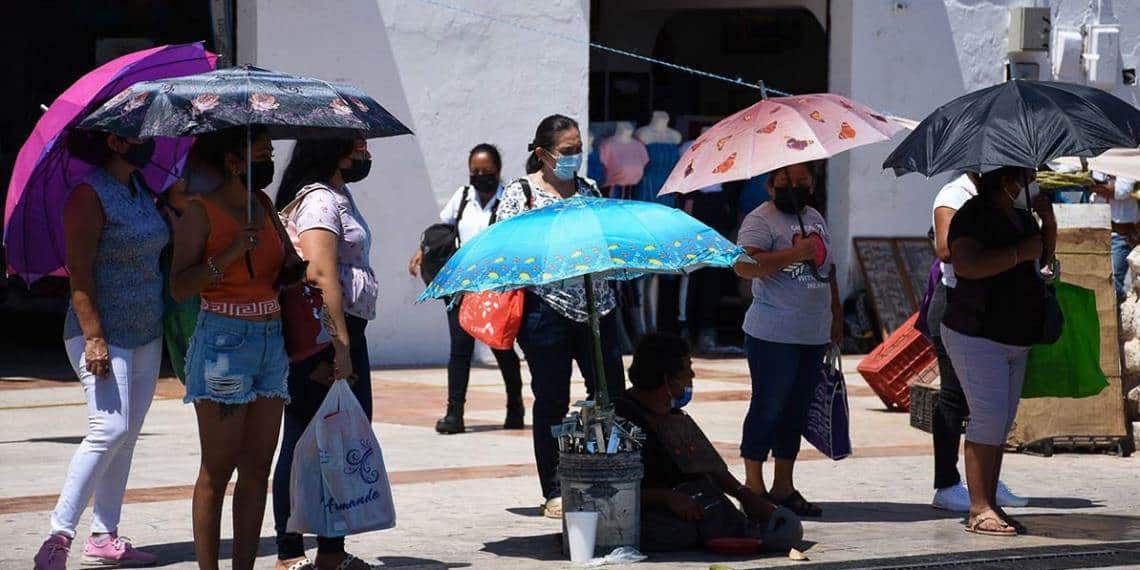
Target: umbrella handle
249 192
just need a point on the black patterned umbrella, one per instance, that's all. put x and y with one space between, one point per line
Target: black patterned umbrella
289 106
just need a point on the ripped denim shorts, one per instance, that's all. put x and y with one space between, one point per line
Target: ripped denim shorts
232 361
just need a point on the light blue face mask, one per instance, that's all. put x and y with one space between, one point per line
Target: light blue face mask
684 399
566 167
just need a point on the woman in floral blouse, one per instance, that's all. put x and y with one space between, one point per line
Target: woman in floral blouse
555 332
335 240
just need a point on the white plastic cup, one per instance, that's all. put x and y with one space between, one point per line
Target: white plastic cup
582 532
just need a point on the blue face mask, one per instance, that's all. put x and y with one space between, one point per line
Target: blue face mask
566 167
684 399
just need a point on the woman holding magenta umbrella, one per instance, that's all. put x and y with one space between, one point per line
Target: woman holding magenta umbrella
1003 255
103 230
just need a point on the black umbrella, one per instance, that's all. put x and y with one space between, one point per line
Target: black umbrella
289 106
1017 123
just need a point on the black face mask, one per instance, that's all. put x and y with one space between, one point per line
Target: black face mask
485 183
791 199
262 174
358 171
139 155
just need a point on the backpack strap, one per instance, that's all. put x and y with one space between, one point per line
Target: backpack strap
462 205
287 211
528 192
459 214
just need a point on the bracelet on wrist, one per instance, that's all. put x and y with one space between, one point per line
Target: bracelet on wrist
216 273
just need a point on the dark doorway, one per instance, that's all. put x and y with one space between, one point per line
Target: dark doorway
49 45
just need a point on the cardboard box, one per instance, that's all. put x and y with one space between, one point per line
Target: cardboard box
1083 248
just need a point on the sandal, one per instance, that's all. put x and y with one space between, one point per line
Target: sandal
1005 530
797 504
302 564
347 562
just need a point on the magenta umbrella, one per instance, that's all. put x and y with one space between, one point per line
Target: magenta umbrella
45 172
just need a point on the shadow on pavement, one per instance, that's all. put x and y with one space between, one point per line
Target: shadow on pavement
1104 555
64 439
410 562
872 511
1063 503
1107 528
177 552
526 511
546 547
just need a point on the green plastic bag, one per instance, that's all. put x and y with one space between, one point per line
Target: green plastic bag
1069 368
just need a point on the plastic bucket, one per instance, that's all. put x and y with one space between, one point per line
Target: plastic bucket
606 484
581 534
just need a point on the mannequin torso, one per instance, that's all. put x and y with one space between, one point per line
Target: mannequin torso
658 130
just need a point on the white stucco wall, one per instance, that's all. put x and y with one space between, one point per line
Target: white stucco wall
456 81
908 62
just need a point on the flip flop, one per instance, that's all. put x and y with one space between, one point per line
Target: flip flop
974 526
799 505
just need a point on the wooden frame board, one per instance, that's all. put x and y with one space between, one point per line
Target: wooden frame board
895 271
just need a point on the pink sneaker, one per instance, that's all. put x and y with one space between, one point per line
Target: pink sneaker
115 551
53 553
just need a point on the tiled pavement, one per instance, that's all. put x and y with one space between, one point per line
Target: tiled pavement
471 500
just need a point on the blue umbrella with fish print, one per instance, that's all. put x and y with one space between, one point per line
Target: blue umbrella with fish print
583 238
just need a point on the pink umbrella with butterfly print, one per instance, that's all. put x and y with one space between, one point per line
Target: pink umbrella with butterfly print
774 133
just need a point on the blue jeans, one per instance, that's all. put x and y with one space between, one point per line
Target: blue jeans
231 361
1120 251
307 397
552 343
784 377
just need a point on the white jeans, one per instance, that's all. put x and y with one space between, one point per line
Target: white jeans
116 407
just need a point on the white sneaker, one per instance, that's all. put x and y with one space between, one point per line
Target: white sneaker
1006 498
954 499
553 508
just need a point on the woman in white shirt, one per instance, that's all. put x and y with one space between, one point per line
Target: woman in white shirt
471 209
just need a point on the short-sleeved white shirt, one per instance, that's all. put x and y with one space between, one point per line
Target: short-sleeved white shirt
953 195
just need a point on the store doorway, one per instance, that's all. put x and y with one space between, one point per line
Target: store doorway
55 43
783 43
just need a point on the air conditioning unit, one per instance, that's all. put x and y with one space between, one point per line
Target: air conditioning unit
1102 55
1028 29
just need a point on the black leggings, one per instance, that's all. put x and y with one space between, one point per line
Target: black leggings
459 364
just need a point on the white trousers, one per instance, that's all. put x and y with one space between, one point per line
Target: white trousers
116 407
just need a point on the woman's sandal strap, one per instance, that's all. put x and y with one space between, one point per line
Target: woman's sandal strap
799 505
975 526
347 562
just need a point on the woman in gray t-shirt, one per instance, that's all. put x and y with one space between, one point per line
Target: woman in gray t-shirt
792 319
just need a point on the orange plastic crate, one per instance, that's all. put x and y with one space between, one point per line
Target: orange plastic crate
889 368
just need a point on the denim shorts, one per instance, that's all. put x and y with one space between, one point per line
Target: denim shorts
232 361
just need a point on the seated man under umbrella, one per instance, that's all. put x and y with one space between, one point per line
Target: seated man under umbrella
685 492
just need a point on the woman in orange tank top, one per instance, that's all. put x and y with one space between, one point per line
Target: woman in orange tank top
236 365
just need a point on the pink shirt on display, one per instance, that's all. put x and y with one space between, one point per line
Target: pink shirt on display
624 161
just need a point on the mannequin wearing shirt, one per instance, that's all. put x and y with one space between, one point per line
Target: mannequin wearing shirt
624 159
658 131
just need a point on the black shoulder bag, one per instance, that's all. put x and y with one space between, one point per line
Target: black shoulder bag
440 241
